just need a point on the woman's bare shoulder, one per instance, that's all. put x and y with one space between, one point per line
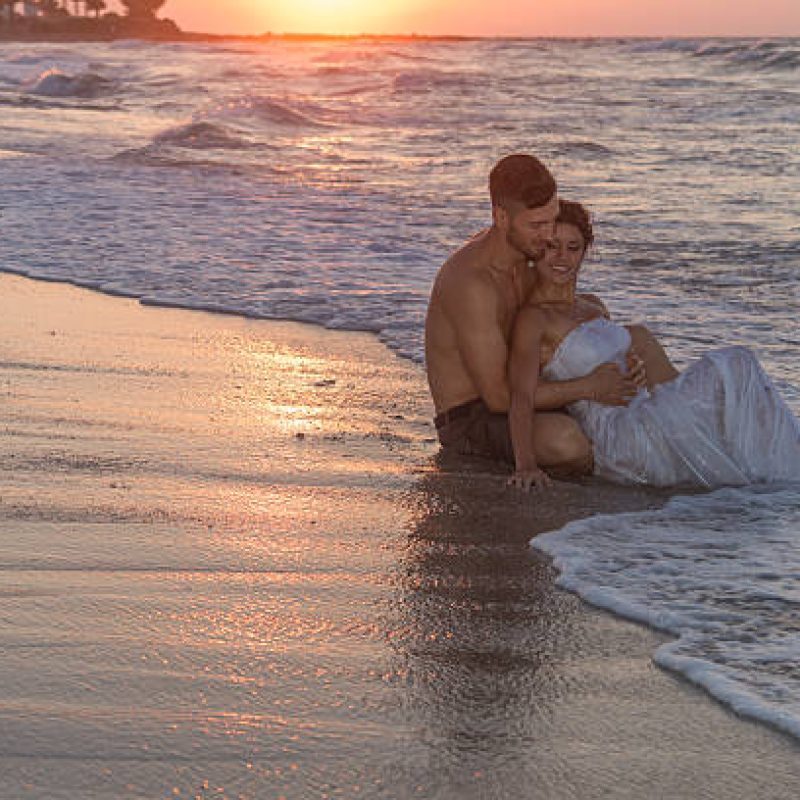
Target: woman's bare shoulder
596 302
531 314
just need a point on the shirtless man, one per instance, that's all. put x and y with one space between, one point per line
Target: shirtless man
474 301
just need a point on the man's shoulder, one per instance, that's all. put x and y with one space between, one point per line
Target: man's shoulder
465 271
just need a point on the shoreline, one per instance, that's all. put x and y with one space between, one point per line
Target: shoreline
229 541
198 309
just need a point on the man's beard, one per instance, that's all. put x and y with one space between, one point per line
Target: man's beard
525 249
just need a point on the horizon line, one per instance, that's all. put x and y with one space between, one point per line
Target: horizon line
487 37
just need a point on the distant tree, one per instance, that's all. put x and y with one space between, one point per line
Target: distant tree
143 8
95 5
50 8
6 12
8 9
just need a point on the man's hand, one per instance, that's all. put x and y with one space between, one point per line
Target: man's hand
607 385
637 371
527 479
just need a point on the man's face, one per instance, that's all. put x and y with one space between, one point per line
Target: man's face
528 230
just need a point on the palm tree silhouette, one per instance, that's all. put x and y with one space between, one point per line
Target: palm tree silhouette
137 9
10 10
95 5
143 8
49 7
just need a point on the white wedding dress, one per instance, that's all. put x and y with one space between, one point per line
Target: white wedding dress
721 422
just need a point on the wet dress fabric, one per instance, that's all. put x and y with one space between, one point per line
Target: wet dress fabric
721 422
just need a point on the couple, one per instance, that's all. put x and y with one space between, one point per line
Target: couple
510 346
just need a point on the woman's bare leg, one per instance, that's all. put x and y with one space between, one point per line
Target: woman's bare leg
560 446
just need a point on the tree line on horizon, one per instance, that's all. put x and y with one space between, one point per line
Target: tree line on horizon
59 9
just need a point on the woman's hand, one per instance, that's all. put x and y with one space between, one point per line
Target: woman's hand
637 371
527 479
608 385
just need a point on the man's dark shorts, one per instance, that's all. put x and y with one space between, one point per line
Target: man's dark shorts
472 429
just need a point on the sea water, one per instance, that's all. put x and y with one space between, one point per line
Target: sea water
719 571
326 182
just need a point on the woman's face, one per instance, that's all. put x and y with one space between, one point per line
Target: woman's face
563 256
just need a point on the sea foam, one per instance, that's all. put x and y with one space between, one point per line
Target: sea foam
721 572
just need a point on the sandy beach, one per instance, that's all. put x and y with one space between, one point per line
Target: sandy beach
232 566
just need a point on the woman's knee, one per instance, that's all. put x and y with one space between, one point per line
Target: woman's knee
558 440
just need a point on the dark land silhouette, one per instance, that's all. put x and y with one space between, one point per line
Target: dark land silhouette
83 20
92 21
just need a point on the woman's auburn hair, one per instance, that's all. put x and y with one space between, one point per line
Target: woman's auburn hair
573 213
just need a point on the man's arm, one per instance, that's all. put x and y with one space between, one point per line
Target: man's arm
523 376
472 311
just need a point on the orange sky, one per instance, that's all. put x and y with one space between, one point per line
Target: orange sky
492 17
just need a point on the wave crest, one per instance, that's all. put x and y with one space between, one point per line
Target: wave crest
583 150
762 54
201 136
275 112
428 80
55 83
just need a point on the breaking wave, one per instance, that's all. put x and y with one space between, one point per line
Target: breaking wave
759 54
201 136
55 83
271 111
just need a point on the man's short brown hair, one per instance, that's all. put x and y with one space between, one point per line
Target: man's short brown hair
521 179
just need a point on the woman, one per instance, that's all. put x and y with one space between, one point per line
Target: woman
721 422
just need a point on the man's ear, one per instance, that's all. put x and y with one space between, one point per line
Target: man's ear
501 218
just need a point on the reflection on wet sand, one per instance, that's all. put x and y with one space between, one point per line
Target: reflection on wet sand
482 624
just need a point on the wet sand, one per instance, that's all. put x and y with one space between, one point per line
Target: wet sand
231 565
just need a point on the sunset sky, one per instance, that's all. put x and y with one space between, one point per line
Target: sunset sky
492 17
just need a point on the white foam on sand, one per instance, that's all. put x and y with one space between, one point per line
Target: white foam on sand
721 572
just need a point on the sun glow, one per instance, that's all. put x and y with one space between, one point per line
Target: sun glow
338 16
484 18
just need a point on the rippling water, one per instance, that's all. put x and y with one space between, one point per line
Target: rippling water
326 182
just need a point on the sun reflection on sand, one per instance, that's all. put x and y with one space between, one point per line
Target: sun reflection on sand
199 550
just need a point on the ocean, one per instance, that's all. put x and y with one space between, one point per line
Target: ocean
326 181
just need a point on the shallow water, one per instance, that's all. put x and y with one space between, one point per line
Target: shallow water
326 182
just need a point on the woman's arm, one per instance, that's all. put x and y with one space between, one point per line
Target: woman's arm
523 374
605 384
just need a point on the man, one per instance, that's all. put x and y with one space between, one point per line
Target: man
475 298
